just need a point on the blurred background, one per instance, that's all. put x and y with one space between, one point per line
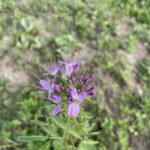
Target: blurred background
113 38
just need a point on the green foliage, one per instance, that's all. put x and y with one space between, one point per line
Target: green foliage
144 72
31 138
117 34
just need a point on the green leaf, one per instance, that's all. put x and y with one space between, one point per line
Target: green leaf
59 122
16 122
87 145
59 145
90 142
46 146
31 138
75 133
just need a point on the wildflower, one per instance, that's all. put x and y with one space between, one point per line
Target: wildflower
49 86
87 79
70 91
55 99
73 108
56 110
54 70
69 66
89 90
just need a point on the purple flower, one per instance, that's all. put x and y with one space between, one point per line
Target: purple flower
89 90
76 96
55 99
49 86
91 93
87 79
73 108
57 88
69 66
69 86
56 110
53 71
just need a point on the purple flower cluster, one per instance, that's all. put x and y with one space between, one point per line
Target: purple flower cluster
71 90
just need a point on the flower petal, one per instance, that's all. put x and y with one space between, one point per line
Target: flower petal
57 88
91 94
72 67
56 110
89 78
45 85
53 83
69 66
67 69
73 110
82 96
76 67
54 70
55 99
74 93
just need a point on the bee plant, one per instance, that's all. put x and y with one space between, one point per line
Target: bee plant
66 87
